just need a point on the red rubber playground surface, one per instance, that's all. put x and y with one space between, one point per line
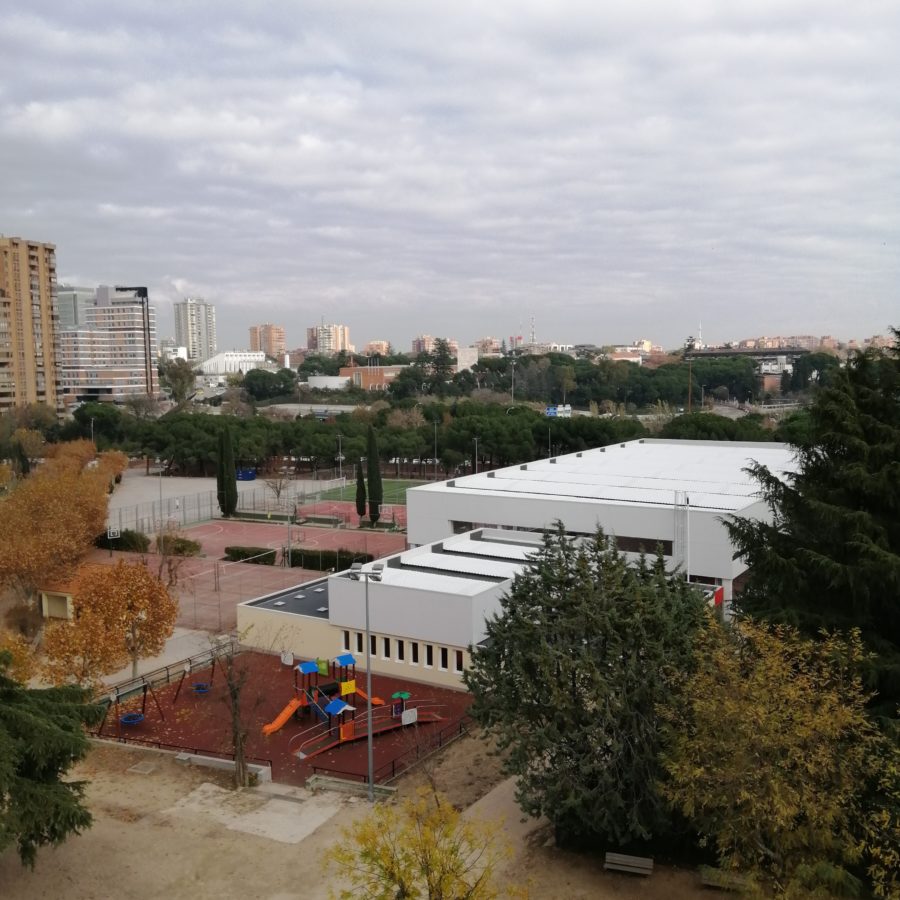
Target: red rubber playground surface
200 722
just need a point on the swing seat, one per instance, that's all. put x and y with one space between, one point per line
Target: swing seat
201 687
132 719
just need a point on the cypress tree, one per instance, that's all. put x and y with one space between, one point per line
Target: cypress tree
360 490
226 479
376 491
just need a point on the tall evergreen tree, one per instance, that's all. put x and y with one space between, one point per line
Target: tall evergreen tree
226 478
570 680
360 490
41 737
373 464
831 556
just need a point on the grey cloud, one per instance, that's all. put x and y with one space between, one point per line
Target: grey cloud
403 167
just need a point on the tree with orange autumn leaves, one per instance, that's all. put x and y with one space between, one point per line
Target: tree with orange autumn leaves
48 521
121 613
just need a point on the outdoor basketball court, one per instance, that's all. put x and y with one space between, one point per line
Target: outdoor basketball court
209 588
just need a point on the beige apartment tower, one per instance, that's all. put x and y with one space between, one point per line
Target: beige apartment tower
268 338
28 320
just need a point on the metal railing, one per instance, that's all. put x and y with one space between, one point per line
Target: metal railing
403 762
165 674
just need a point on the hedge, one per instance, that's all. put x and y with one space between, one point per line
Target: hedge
128 540
175 545
327 559
260 556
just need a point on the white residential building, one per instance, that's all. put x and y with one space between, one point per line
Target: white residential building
105 356
195 328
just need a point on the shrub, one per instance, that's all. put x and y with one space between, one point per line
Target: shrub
327 559
261 556
129 541
176 545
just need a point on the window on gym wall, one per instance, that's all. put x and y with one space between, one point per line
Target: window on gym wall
359 642
413 653
429 656
458 661
386 647
346 640
401 651
444 657
373 645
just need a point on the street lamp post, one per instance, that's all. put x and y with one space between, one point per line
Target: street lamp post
159 542
92 433
357 571
476 455
435 449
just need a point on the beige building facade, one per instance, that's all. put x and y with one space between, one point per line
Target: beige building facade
268 338
28 323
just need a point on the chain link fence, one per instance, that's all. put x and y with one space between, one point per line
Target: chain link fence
190 509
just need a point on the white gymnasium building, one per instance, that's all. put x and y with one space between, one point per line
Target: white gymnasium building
469 537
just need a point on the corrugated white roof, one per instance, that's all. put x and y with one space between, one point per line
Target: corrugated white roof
468 565
710 473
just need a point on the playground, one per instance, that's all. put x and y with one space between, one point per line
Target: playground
302 718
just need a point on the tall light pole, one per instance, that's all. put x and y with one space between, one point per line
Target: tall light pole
159 542
476 455
513 365
357 570
435 449
92 432
340 458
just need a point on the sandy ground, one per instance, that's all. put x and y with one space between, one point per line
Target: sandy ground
166 831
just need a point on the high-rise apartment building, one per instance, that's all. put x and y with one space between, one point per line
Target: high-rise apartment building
104 357
28 320
268 338
73 303
377 348
328 339
195 328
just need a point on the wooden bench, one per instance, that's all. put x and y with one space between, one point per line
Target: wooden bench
634 865
724 880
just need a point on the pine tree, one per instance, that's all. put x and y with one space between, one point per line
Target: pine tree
226 482
570 680
376 491
41 736
360 490
831 557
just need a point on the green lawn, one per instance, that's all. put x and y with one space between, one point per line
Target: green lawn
394 490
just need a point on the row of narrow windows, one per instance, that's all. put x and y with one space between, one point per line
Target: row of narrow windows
404 651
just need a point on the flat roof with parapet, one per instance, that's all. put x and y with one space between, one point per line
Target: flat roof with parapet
310 599
645 472
464 565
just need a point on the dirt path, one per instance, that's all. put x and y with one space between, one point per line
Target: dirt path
165 832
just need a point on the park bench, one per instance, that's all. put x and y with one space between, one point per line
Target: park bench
634 865
724 880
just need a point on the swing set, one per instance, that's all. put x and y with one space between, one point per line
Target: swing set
198 688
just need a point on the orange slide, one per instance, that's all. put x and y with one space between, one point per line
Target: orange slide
376 701
282 717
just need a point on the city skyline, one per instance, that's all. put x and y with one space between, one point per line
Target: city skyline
612 172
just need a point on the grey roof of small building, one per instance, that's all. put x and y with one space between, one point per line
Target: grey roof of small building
310 599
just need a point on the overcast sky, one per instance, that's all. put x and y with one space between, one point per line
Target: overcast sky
616 170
